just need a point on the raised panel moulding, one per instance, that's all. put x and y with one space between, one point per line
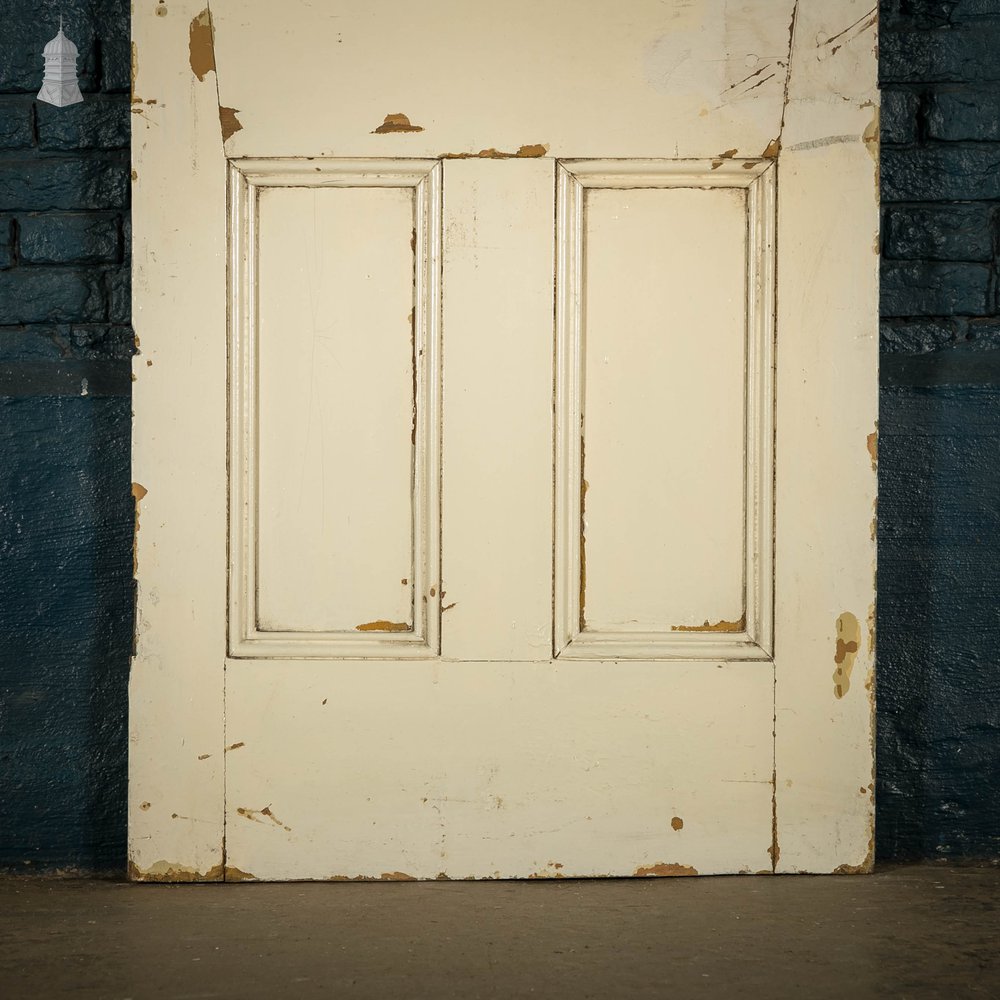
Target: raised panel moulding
732 608
334 525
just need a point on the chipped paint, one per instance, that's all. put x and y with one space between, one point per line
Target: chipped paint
138 493
235 746
383 626
677 823
396 123
448 607
866 867
170 871
848 642
873 448
229 122
774 851
252 814
720 626
664 870
527 152
144 806
201 44
234 874
870 137
828 43
771 150
204 756
384 877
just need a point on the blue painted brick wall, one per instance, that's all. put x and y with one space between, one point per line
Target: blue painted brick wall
65 508
66 513
939 470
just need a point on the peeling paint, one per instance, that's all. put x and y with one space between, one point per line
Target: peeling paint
664 870
529 151
396 123
774 851
234 874
866 867
229 122
138 493
873 448
771 150
170 871
201 44
384 877
677 823
383 626
720 626
870 137
848 642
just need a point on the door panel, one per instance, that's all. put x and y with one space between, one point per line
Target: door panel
504 439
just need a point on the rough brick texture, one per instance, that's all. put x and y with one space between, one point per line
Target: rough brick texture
65 507
939 455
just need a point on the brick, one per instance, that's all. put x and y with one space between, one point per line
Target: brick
6 242
943 13
120 295
940 232
66 239
946 172
919 336
959 55
970 113
45 183
911 288
51 295
15 124
899 116
94 124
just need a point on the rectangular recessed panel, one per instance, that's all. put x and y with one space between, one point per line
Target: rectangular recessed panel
334 413
664 320
336 408
664 409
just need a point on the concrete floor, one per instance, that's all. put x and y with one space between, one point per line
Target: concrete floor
921 931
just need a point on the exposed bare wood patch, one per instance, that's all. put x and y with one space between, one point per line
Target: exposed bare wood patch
201 44
530 151
664 870
873 449
229 122
396 123
169 871
383 626
721 626
771 150
233 874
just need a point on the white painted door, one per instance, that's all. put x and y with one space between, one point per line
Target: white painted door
504 438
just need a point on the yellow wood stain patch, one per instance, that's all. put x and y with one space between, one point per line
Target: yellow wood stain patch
383 626
848 642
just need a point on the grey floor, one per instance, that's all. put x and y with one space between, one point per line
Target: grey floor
922 931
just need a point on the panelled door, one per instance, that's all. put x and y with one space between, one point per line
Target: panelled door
504 438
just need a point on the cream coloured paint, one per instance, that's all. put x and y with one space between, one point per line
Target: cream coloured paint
477 724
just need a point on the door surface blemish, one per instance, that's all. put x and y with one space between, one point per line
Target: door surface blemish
848 643
396 123
664 870
201 44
